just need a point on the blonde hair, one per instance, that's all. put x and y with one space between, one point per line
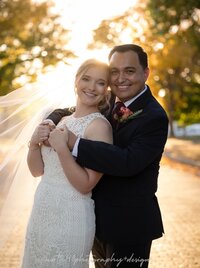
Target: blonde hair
90 63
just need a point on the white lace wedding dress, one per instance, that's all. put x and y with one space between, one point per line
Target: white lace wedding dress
61 227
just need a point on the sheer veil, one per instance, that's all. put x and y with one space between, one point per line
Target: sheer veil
20 112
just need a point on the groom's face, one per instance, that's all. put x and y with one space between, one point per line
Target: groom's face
127 75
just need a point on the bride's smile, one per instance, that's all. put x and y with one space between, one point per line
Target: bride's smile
91 86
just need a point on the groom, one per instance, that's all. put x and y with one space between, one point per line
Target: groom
128 217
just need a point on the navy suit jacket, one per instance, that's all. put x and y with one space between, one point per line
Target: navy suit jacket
126 206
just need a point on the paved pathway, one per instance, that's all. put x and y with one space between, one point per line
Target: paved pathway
179 198
184 151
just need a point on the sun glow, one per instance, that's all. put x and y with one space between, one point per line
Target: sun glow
84 16
81 17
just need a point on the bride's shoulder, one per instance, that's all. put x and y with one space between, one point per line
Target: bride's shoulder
103 130
100 120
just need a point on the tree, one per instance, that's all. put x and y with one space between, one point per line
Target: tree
169 32
179 15
32 39
179 23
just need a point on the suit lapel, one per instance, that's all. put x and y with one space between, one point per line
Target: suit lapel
141 102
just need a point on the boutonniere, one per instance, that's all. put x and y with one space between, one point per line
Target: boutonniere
125 114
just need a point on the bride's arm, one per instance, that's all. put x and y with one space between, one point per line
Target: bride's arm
81 178
34 158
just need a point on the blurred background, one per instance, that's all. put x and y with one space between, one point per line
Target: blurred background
43 42
39 37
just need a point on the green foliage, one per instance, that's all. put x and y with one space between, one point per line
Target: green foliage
167 13
178 23
32 39
169 32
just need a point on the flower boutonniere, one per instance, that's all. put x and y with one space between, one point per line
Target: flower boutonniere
125 114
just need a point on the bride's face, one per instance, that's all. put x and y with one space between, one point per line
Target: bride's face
91 87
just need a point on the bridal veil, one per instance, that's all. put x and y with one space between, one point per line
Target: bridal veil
20 112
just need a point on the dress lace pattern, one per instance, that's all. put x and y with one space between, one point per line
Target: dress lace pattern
61 227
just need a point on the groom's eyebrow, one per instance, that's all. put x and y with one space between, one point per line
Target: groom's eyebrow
130 68
125 68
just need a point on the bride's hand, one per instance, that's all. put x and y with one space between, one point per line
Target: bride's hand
58 138
40 134
44 130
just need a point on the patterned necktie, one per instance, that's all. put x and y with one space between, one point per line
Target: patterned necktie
116 113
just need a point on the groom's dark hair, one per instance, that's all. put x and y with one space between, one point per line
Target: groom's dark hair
142 55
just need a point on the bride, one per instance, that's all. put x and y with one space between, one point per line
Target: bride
61 226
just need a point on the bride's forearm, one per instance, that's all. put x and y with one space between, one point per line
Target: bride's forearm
78 176
34 160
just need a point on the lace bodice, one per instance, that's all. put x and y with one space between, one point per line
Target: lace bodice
78 125
61 228
53 171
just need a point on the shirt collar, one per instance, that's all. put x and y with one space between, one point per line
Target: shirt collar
128 102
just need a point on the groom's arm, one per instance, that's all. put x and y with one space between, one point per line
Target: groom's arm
57 114
141 151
